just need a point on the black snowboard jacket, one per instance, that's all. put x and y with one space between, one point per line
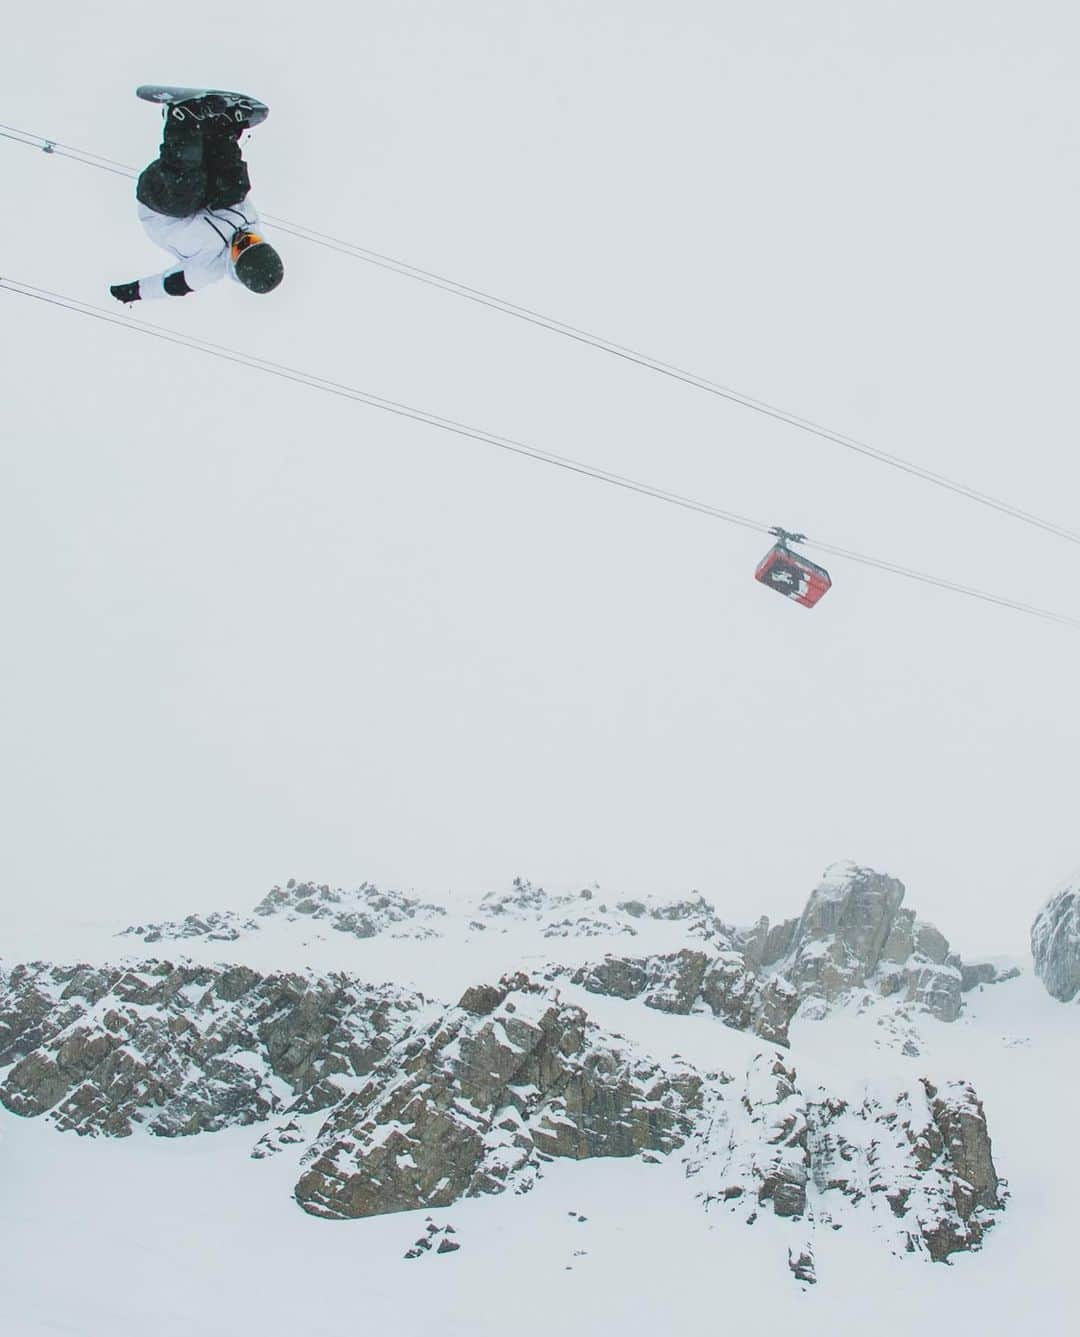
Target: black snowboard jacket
200 166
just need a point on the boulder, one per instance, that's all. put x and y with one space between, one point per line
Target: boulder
1055 943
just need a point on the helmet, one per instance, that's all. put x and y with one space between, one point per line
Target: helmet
255 262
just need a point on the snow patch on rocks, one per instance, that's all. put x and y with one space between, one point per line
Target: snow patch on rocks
913 1163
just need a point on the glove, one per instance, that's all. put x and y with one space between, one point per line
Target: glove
126 292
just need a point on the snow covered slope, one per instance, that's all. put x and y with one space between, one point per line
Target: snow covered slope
630 1139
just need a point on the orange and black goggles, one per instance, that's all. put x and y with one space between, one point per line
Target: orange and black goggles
242 240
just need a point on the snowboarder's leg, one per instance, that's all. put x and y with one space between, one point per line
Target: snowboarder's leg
176 183
227 180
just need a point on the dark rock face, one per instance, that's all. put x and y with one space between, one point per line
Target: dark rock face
748 1002
38 1001
477 1103
482 999
670 983
965 1147
1055 945
186 1049
680 981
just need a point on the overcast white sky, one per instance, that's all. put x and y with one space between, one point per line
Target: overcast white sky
252 632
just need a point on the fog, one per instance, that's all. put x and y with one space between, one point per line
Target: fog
254 632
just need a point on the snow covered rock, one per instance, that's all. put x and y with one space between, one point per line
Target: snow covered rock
683 981
186 1049
218 926
284 1135
914 1163
975 974
477 1101
522 901
1055 943
586 914
852 935
364 912
670 983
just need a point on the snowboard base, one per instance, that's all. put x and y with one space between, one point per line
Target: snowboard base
255 112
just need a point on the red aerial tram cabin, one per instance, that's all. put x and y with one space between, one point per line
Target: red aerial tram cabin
791 573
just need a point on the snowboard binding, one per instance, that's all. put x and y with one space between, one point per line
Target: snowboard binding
214 109
237 111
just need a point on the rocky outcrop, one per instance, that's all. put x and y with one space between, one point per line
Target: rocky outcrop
477 1102
583 914
976 974
916 1163
523 901
587 914
853 934
218 926
685 981
435 1239
186 1049
1055 944
404 1103
669 983
364 912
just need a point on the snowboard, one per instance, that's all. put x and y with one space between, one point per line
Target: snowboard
254 111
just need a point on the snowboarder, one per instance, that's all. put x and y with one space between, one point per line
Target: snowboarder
193 201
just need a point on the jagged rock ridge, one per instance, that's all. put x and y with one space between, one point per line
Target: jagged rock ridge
363 912
853 935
